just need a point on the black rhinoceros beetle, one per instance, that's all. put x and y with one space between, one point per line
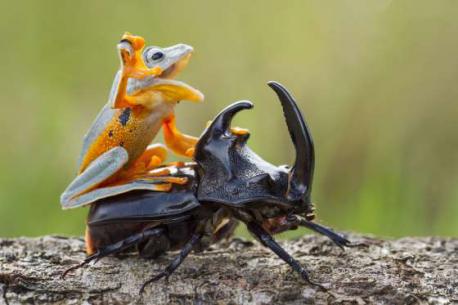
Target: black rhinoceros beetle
228 182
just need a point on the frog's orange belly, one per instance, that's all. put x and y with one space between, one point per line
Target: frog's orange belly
128 128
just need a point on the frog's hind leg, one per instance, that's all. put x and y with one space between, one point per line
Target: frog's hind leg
158 185
145 174
97 172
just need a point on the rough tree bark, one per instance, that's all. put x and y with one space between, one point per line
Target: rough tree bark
404 271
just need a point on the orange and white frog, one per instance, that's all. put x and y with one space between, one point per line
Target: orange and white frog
116 148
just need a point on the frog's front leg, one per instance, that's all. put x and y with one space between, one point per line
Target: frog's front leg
178 142
132 66
183 144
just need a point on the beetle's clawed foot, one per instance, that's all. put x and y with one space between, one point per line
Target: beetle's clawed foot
340 241
72 268
176 262
94 257
156 278
306 278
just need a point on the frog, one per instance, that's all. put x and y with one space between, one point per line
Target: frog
117 156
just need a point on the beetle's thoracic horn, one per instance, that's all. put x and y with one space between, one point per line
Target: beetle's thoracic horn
223 120
301 174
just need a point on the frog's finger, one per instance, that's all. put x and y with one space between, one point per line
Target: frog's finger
126 52
97 172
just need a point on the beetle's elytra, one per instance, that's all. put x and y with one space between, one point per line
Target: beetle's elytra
227 183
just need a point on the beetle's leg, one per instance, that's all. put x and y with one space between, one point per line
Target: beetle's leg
266 239
282 224
195 238
336 238
117 247
225 231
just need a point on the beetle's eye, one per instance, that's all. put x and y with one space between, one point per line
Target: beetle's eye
157 56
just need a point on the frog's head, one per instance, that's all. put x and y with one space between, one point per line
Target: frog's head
168 62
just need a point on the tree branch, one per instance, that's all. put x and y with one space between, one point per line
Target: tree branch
404 271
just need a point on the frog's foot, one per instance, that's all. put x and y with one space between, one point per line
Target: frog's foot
177 164
153 157
239 131
235 130
165 179
150 167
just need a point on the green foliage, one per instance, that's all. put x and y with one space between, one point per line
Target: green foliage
376 80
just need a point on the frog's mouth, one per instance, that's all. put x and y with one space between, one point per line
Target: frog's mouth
176 67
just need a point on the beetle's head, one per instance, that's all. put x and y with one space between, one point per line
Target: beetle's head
232 174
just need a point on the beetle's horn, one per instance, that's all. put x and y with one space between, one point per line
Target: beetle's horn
301 174
223 120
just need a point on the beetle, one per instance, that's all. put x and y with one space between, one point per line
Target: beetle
227 183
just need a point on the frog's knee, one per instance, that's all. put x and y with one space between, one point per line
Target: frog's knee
98 171
67 201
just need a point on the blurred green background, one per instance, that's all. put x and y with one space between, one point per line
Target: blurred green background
377 81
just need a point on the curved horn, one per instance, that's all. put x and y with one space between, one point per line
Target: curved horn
301 174
223 120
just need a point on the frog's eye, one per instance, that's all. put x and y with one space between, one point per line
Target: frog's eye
157 56
153 55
